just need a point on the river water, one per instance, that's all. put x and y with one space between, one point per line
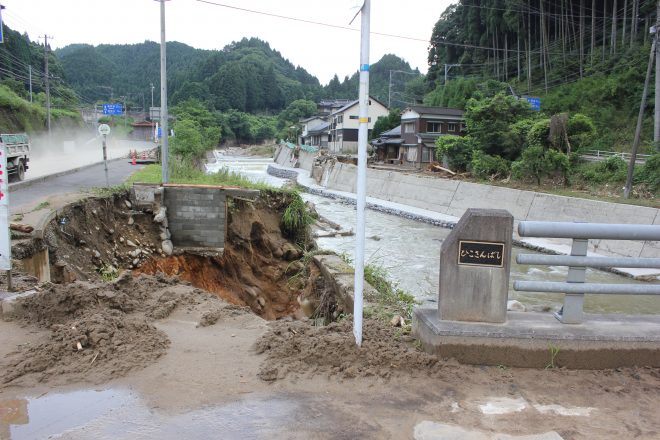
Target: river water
410 251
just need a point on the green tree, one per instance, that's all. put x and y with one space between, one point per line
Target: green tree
457 150
188 141
297 110
385 123
489 122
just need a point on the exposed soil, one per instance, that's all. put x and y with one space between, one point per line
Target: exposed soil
297 348
258 268
100 331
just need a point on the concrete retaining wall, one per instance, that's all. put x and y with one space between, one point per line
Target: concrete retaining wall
196 216
454 197
284 156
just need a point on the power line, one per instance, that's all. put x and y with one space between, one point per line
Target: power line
303 20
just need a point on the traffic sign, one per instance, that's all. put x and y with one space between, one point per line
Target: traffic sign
113 109
535 103
104 129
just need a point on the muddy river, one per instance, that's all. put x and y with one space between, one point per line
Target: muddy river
410 251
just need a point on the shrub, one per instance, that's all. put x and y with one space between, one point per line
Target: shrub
539 163
485 166
456 149
650 173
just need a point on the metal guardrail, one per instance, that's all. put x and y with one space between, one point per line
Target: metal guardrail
575 287
604 155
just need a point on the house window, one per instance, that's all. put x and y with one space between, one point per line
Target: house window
357 117
340 119
409 127
451 127
434 127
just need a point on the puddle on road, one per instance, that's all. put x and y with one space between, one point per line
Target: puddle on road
42 417
122 415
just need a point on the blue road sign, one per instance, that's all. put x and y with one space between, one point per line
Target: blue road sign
160 132
113 109
2 34
535 103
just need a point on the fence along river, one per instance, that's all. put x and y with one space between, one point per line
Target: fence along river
409 250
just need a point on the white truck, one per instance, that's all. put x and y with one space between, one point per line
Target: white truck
18 154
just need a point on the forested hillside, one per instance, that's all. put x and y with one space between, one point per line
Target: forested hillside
583 56
18 57
247 76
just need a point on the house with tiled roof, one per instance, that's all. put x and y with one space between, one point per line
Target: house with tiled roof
344 125
422 125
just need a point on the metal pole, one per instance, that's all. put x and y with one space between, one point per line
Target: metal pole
389 92
163 94
47 82
363 134
656 119
30 71
640 119
105 161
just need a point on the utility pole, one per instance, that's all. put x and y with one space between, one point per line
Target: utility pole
448 68
152 94
363 134
125 110
30 72
389 88
47 82
163 94
656 119
640 119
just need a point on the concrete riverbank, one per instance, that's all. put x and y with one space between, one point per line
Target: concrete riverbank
442 201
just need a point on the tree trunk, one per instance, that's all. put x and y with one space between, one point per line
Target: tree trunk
518 49
593 30
506 57
633 22
544 50
581 36
604 28
613 37
528 48
625 18
563 32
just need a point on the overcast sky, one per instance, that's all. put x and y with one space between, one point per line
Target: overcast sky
321 50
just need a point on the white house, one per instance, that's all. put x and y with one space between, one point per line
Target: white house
314 132
344 125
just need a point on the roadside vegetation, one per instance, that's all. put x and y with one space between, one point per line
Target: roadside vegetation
507 143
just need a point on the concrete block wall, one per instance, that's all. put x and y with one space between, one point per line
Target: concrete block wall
455 197
196 216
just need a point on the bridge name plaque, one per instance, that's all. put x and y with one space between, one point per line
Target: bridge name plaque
480 253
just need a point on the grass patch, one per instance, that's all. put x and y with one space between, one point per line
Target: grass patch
110 191
42 205
389 299
296 218
190 175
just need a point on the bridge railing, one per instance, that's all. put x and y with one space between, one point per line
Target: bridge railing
575 286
